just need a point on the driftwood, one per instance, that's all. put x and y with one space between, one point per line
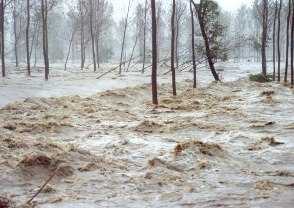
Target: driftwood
115 68
42 187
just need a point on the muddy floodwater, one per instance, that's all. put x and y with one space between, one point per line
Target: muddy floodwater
225 144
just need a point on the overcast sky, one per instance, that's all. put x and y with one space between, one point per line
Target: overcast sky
120 6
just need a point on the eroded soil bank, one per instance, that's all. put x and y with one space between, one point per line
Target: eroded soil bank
225 145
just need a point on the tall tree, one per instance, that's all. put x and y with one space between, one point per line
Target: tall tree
144 35
274 40
173 31
154 54
82 36
287 41
264 36
2 32
202 10
27 39
44 11
279 40
126 22
15 3
193 46
292 47
92 34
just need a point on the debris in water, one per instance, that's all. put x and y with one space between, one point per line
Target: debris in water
209 149
264 185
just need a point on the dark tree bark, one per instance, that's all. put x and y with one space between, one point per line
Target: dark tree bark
274 40
27 39
292 47
279 40
264 36
193 46
287 42
44 11
199 9
154 54
173 31
144 35
2 10
92 35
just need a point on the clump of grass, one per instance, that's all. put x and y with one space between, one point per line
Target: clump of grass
260 78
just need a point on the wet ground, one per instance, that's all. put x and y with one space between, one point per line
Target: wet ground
222 145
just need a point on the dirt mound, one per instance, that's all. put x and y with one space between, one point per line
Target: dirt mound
209 149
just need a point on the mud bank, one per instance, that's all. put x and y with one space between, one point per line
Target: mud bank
225 145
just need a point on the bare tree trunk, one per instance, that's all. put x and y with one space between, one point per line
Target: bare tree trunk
44 9
124 38
274 41
133 51
2 16
177 42
97 50
15 33
193 46
69 48
154 54
34 39
279 40
144 36
173 48
292 47
92 35
83 56
27 39
206 41
287 41
264 36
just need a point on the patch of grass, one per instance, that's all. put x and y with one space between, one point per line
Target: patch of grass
260 78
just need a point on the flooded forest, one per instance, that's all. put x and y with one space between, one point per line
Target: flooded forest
146 103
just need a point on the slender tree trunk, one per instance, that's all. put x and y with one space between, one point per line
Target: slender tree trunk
27 39
44 9
92 35
83 56
177 43
292 47
154 54
279 40
274 41
15 33
206 41
2 16
124 38
133 51
287 41
36 33
97 50
173 49
264 36
69 49
144 36
193 46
